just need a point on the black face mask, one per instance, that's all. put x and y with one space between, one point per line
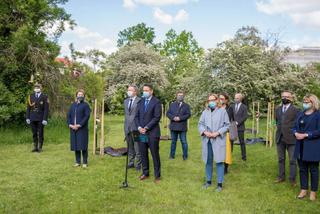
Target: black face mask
285 101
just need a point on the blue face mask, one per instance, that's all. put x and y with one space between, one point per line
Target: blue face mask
212 104
146 94
306 106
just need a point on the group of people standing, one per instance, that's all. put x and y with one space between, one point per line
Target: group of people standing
298 132
142 130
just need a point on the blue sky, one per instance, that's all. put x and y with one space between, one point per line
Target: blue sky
211 21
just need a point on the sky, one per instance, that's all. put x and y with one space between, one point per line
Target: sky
211 21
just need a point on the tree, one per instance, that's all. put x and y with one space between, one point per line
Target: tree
136 64
28 33
139 32
250 65
184 59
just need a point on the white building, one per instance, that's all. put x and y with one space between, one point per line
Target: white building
304 56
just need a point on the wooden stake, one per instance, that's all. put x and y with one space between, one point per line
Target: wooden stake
253 117
258 118
102 130
94 146
267 131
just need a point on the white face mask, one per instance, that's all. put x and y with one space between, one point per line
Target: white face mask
130 94
37 90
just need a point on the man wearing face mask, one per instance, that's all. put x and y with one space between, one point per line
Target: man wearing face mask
130 128
37 116
285 116
240 115
147 120
179 113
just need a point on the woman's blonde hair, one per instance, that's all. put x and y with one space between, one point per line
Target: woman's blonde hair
314 101
217 99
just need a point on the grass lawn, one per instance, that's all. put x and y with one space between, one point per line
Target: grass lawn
48 182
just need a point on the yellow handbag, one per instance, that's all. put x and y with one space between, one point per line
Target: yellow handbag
228 150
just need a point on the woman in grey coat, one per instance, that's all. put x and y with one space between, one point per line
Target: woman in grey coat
213 126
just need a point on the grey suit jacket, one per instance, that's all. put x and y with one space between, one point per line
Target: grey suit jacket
129 123
285 123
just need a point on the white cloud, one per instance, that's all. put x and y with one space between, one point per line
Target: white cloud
130 4
85 39
166 18
301 12
181 16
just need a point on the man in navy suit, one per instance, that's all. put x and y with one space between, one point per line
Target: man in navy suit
147 120
37 116
179 113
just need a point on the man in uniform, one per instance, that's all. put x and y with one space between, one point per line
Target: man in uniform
37 116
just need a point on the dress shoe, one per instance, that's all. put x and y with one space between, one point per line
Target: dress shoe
34 150
143 177
302 194
157 180
293 183
130 165
279 180
76 165
85 166
313 196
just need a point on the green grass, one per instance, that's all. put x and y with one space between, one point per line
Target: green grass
48 183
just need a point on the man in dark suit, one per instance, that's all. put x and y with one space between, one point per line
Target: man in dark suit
130 128
179 113
285 116
37 116
240 112
147 120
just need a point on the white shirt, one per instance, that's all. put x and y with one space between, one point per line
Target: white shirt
285 107
131 98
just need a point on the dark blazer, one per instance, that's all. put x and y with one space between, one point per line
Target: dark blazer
129 121
241 116
181 110
285 122
37 108
310 145
79 139
151 118
229 110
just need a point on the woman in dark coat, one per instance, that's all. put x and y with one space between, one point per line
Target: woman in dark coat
307 150
78 117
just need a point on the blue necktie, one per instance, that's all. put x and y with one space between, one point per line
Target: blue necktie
130 104
146 102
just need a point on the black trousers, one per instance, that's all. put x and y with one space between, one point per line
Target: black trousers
153 145
242 145
37 134
84 156
304 168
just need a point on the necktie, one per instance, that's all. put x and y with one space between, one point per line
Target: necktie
237 108
146 102
38 95
130 104
284 109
